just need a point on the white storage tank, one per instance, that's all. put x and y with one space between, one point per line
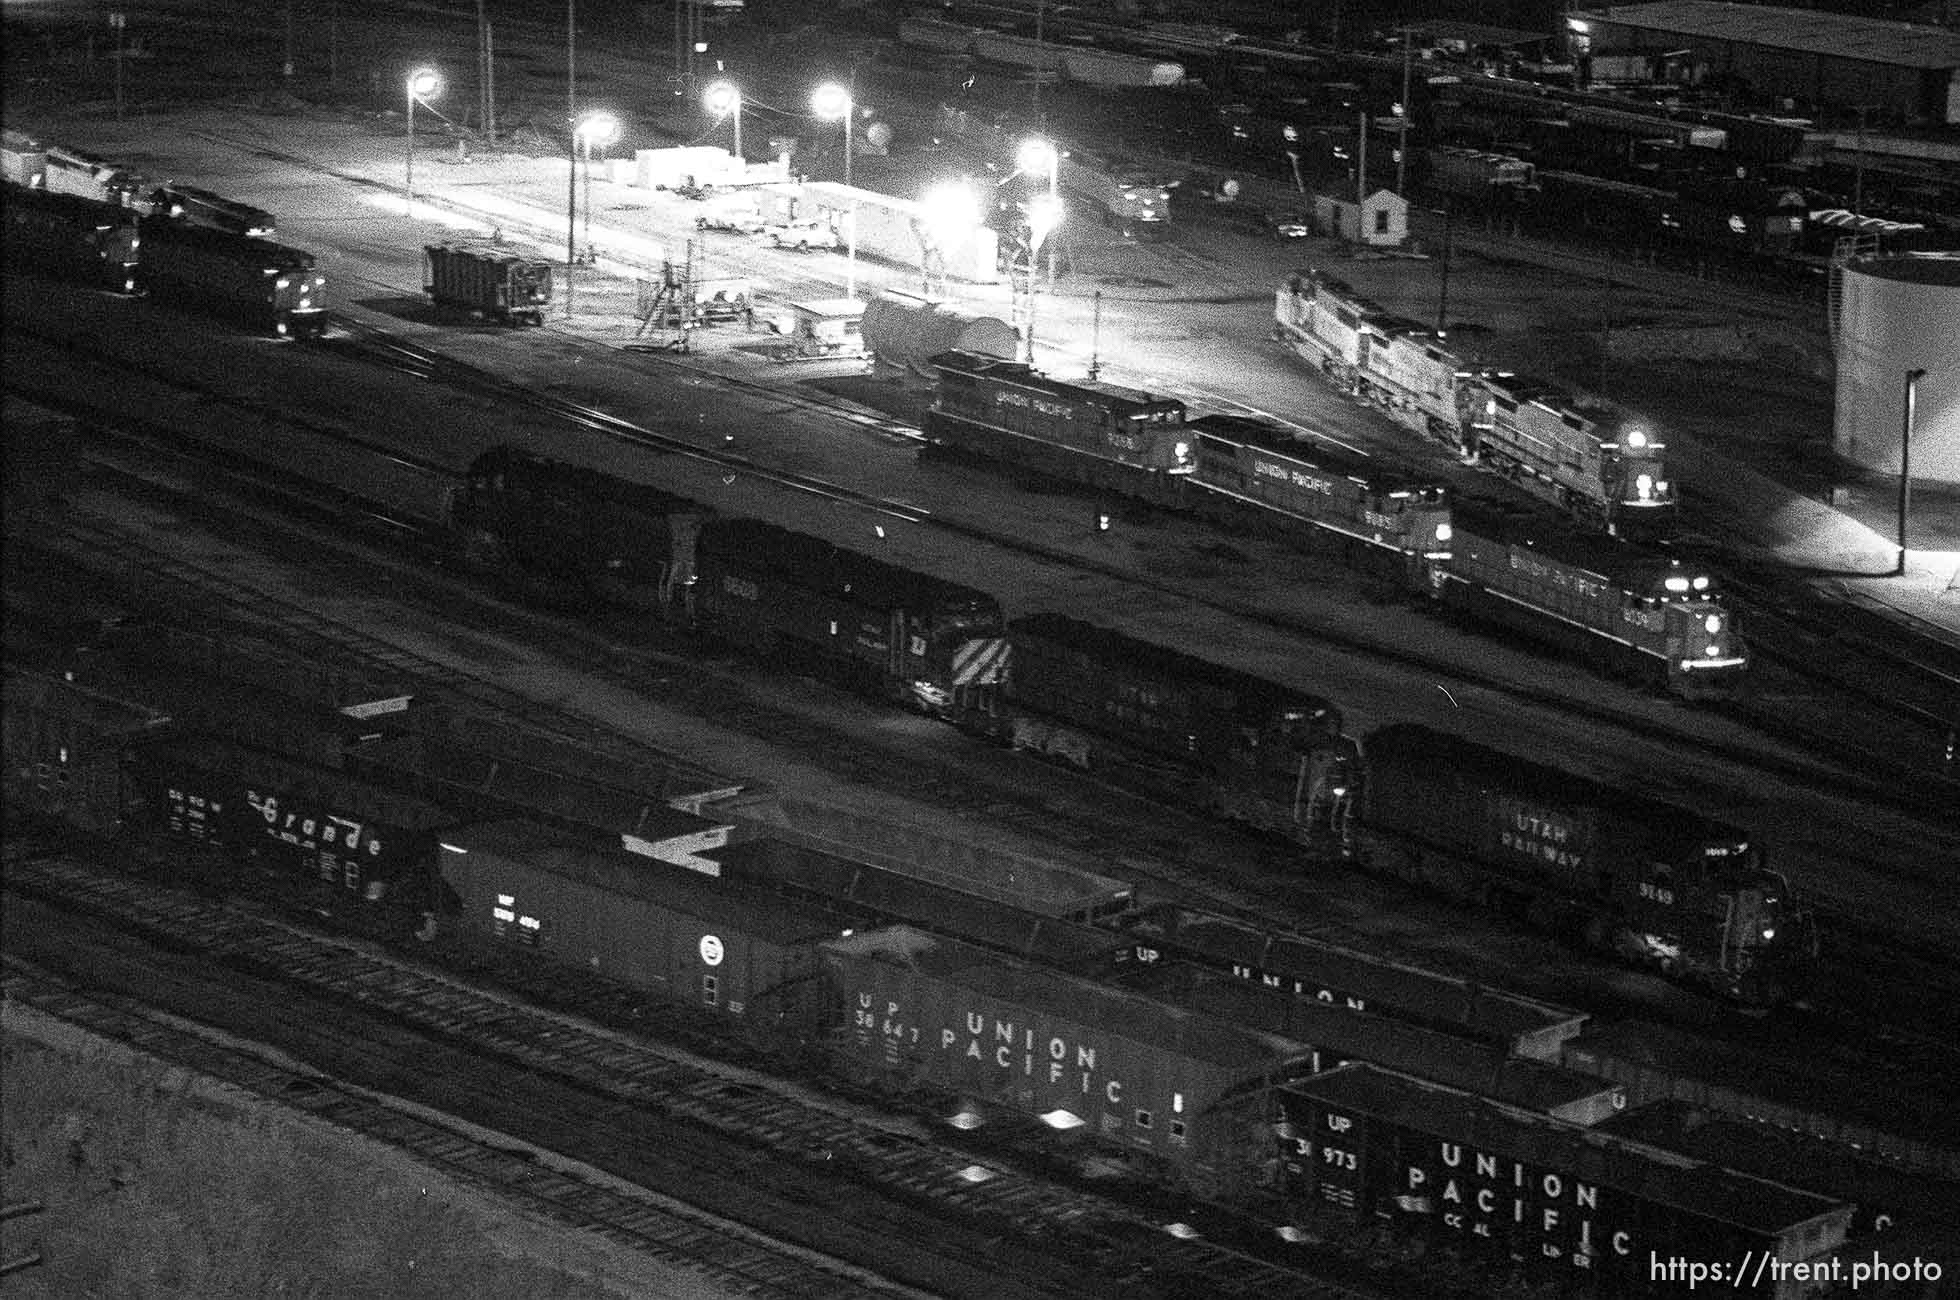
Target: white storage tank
1898 314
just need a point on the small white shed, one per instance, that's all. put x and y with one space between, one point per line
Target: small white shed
828 327
1381 219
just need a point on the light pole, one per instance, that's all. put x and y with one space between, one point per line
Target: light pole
601 129
1905 462
833 100
1039 156
1044 214
423 83
723 98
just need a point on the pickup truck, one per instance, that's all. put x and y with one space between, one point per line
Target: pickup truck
801 234
741 220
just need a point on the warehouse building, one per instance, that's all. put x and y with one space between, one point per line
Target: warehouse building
1823 64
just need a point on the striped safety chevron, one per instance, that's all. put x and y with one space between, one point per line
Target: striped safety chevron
980 663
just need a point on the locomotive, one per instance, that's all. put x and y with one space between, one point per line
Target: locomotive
1633 612
1585 460
91 243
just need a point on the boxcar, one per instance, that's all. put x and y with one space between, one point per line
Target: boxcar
72 238
1657 882
716 945
1141 1075
578 534
1083 432
64 748
1566 1204
1639 613
266 285
488 282
919 639
1172 724
350 840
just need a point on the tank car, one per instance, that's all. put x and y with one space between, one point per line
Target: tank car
487 282
1085 432
1654 882
1637 612
921 640
268 286
71 237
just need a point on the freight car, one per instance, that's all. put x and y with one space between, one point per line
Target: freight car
1516 1190
198 207
1178 726
921 640
64 748
1652 882
1637 613
1590 462
487 282
268 286
71 238
1169 1087
1086 432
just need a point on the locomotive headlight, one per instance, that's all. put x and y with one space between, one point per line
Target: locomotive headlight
1644 485
1713 623
1677 584
1181 452
1661 487
1444 532
282 283
1636 440
1701 584
1714 652
1769 932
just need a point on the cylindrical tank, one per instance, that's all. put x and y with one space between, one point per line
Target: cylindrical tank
904 331
1899 314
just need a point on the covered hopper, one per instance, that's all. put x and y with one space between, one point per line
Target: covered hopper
904 331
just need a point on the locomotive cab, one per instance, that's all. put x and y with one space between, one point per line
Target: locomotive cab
1636 471
956 654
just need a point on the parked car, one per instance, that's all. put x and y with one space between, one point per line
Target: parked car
801 234
743 220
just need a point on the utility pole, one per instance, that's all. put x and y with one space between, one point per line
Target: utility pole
1443 298
1402 113
1905 462
571 151
1360 174
1040 70
1858 172
288 64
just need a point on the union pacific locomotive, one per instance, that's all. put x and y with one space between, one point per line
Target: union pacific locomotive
1632 612
1587 461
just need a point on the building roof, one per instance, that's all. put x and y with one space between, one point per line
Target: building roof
1841 36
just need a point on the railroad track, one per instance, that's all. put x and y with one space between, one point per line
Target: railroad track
791 1122
641 1221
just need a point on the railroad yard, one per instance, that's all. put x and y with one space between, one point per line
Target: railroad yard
743 808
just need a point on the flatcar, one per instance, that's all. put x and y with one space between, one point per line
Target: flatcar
491 283
909 636
1638 613
1087 432
268 286
73 238
200 207
1653 882
1519 1191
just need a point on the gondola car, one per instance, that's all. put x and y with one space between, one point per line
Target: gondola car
268 286
74 238
492 283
